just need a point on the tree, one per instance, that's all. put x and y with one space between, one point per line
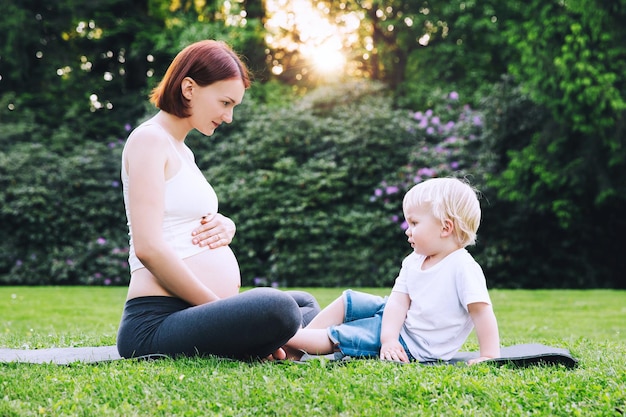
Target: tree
76 63
572 63
416 46
569 170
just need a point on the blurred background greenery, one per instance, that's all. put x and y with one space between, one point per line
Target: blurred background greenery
353 102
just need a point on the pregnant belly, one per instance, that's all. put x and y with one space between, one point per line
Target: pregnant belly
217 269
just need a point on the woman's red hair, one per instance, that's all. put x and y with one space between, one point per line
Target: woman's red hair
205 62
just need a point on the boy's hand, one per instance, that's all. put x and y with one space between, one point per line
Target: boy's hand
393 351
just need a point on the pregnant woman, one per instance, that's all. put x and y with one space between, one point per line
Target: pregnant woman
183 297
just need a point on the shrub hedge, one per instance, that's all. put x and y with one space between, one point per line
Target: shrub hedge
315 187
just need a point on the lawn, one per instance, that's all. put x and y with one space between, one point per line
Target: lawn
591 324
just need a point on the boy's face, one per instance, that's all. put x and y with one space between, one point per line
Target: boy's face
424 230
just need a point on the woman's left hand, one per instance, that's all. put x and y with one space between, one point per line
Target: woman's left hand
215 230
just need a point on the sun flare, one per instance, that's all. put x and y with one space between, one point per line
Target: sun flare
321 42
327 60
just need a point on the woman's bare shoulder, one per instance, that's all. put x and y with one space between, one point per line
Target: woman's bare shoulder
146 140
147 146
148 132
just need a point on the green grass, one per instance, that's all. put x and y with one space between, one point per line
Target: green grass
591 324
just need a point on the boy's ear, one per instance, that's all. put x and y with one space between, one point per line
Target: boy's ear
448 228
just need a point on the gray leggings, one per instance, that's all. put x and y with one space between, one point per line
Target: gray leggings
251 324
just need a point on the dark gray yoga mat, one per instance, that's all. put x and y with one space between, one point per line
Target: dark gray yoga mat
526 355
519 355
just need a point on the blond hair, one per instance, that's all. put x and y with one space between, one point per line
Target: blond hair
449 198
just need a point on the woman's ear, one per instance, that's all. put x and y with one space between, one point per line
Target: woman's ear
187 87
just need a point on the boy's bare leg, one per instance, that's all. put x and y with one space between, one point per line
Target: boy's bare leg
331 315
313 339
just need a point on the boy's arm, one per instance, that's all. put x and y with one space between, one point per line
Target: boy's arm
393 319
487 331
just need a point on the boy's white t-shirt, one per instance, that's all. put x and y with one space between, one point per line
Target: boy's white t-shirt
438 321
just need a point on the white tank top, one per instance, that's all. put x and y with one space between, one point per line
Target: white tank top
188 197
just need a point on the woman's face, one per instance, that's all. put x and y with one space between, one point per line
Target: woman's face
213 104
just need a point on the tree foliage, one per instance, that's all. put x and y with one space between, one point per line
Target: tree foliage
572 63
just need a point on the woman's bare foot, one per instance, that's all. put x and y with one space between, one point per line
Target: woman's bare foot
279 355
293 354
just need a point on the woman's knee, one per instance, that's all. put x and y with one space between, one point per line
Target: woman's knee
304 299
309 307
277 306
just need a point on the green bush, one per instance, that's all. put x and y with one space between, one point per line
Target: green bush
62 216
315 186
301 183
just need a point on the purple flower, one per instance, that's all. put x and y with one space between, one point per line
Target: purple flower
430 130
454 96
127 127
378 192
101 241
454 165
18 262
426 172
115 184
107 281
392 189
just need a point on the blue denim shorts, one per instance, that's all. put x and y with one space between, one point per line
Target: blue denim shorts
359 334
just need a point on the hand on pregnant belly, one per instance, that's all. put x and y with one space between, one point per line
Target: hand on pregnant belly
214 231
